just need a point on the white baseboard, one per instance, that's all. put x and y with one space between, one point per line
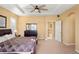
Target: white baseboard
69 43
48 38
40 38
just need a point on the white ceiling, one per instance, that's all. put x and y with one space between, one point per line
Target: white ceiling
53 9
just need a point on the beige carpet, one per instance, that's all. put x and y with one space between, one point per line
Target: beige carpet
53 47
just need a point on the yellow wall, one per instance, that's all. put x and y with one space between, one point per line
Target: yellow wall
68 30
77 33
8 14
70 27
39 20
77 28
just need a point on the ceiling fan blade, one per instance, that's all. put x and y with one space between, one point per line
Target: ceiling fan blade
33 5
39 11
28 8
44 9
32 10
42 6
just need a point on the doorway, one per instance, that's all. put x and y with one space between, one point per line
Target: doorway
50 30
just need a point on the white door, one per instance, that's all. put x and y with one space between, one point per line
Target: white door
58 30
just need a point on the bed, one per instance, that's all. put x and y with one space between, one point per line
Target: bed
16 45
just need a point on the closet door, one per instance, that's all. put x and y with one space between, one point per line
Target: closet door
58 30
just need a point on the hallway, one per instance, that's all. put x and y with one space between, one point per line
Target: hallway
53 47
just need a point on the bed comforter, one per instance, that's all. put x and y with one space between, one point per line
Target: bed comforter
19 45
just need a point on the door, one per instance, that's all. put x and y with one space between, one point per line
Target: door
58 30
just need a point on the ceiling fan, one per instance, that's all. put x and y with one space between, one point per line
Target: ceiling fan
38 8
35 8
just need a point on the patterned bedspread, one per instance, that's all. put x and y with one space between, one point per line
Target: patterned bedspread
19 44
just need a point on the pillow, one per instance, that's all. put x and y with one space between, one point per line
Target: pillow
2 39
9 36
6 36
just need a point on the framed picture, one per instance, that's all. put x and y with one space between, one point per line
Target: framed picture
3 21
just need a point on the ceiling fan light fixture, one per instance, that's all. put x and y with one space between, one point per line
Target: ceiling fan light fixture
36 10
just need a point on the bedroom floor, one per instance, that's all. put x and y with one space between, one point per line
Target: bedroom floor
53 47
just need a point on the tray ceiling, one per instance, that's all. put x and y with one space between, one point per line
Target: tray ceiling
24 9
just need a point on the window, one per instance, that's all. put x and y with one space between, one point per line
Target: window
31 26
13 23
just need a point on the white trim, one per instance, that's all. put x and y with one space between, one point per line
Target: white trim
69 43
40 38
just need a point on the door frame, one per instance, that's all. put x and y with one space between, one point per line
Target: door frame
53 32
